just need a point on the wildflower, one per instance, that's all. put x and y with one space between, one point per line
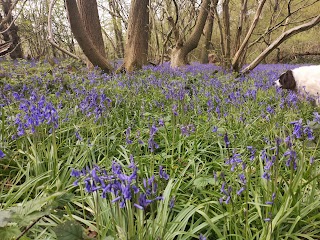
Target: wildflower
234 161
174 110
252 152
240 190
78 136
151 143
226 140
2 155
298 128
292 158
202 237
312 160
172 202
128 131
307 130
186 130
163 174
272 199
288 142
316 117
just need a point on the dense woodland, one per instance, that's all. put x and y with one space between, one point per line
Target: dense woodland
227 32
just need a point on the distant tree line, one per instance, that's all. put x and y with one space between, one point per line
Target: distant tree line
231 33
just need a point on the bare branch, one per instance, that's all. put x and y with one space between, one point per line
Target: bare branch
50 34
286 35
235 60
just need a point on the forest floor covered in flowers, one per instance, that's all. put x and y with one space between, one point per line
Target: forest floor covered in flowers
191 153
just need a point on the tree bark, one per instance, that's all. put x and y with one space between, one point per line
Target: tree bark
208 33
136 51
82 36
90 17
227 32
284 36
179 55
241 50
11 34
242 17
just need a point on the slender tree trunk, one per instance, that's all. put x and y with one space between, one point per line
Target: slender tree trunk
241 50
208 33
242 17
284 36
136 51
117 28
82 36
227 32
179 55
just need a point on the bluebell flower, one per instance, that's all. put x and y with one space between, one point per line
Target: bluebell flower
234 161
128 131
2 155
252 152
174 110
240 190
172 202
272 199
202 237
215 129
187 129
307 130
163 174
226 140
78 136
316 117
298 128
152 145
292 157
311 160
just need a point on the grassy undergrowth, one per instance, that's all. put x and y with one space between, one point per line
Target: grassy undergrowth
192 153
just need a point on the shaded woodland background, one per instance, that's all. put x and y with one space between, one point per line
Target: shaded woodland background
230 33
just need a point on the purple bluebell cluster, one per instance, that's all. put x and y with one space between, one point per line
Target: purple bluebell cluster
120 187
35 111
95 104
186 130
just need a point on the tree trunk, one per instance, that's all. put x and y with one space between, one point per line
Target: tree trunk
227 32
179 55
82 36
242 17
90 17
208 33
284 36
241 50
136 51
117 28
11 34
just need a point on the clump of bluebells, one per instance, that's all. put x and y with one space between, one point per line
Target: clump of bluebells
35 111
120 187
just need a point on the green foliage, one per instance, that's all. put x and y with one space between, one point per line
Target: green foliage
218 187
69 230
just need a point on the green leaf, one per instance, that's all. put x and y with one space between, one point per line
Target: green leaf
5 218
9 233
62 200
70 230
201 182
